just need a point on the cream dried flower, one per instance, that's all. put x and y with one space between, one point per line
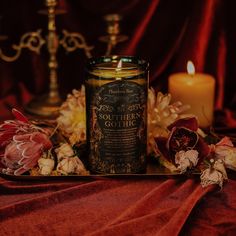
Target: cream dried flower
215 174
71 165
46 166
64 151
68 162
72 117
186 160
161 114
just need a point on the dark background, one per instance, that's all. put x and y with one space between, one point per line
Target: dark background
167 33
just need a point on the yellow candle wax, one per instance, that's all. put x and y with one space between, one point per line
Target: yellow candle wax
197 90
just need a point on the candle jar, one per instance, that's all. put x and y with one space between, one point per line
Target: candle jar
116 106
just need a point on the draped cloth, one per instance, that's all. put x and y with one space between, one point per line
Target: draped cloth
167 34
154 206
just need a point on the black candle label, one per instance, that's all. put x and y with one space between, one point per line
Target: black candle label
117 130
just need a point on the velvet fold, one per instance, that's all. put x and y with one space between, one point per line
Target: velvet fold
154 206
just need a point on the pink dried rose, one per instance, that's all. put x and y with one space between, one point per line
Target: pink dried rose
22 144
225 151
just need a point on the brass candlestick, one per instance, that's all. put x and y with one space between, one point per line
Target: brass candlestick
113 36
48 104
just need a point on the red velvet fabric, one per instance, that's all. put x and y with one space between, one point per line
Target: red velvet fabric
166 33
158 206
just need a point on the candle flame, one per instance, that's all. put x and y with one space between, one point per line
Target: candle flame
119 65
118 68
190 68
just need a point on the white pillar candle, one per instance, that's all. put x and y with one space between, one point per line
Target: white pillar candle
197 90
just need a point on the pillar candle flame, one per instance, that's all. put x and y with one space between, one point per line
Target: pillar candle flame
190 68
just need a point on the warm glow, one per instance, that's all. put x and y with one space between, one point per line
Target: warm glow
119 65
190 68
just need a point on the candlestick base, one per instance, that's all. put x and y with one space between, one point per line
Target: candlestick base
44 106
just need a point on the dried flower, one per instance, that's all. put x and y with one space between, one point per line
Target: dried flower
71 165
68 162
23 152
71 120
46 166
183 136
64 151
215 174
186 160
225 151
21 125
160 115
22 144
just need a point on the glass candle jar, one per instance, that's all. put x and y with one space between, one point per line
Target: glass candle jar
116 106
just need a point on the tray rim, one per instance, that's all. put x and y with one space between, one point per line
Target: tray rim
162 173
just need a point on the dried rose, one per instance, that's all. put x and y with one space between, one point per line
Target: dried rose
68 162
215 174
64 151
186 160
183 137
46 166
71 165
225 151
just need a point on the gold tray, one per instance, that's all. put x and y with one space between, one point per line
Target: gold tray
153 170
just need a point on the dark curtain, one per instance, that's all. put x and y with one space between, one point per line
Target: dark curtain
167 33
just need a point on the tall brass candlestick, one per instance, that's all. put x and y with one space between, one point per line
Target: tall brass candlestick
52 43
48 104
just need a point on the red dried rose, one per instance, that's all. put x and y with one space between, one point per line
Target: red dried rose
183 137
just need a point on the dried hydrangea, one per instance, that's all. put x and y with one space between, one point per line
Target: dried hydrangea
72 117
161 114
